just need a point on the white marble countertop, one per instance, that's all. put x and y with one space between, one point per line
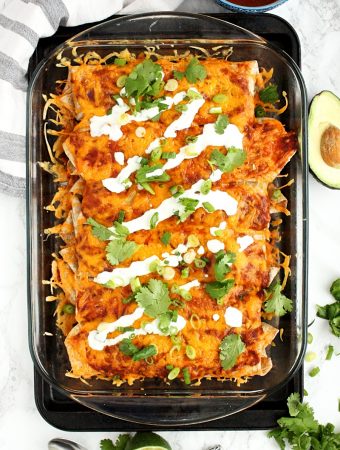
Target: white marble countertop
318 26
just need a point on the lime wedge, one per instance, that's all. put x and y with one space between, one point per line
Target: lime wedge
147 441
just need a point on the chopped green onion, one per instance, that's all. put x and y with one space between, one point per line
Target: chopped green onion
305 393
195 321
199 263
121 216
191 139
190 352
206 187
121 81
169 367
219 98
176 191
145 353
68 309
310 338
120 61
314 371
208 207
181 108
173 373
310 356
186 375
330 352
185 272
166 236
156 154
259 111
169 155
215 110
135 284
153 221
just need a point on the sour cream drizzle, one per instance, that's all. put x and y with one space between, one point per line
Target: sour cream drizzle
97 339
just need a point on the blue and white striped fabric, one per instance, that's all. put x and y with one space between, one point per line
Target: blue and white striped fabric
22 23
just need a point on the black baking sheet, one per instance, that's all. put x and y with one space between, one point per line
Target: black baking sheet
66 414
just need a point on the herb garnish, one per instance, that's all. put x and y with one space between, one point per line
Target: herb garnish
230 349
221 123
331 312
276 302
269 94
154 298
218 289
166 236
141 174
302 431
222 264
120 444
193 73
234 158
119 250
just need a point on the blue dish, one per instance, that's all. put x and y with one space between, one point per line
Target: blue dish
250 9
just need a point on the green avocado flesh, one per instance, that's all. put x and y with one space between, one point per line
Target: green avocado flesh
324 115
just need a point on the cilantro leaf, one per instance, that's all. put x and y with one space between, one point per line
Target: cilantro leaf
269 94
144 174
227 163
119 250
154 298
100 231
120 444
222 265
195 71
221 123
230 349
128 348
190 205
276 302
145 78
178 75
218 289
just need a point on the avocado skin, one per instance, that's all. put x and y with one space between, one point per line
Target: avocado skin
316 117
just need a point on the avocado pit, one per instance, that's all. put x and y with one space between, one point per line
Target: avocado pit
330 146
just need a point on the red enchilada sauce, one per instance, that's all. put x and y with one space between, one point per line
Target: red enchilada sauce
251 2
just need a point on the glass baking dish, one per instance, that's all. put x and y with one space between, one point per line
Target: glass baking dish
154 401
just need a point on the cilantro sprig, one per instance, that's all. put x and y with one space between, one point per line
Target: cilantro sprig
234 158
331 312
219 289
302 431
276 302
269 94
222 264
230 349
119 250
120 444
221 123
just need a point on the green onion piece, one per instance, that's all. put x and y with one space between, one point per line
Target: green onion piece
186 375
180 108
121 81
330 352
128 299
156 154
206 187
259 111
209 207
305 393
219 98
68 309
339 405
215 110
135 284
144 161
173 373
169 155
310 338
195 321
146 352
314 371
176 191
310 356
169 367
120 62
190 352
154 220
148 188
121 216
191 139
199 263
185 272
166 237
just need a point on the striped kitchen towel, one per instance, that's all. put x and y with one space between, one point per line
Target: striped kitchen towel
22 23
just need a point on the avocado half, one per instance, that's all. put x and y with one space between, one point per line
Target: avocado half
324 138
